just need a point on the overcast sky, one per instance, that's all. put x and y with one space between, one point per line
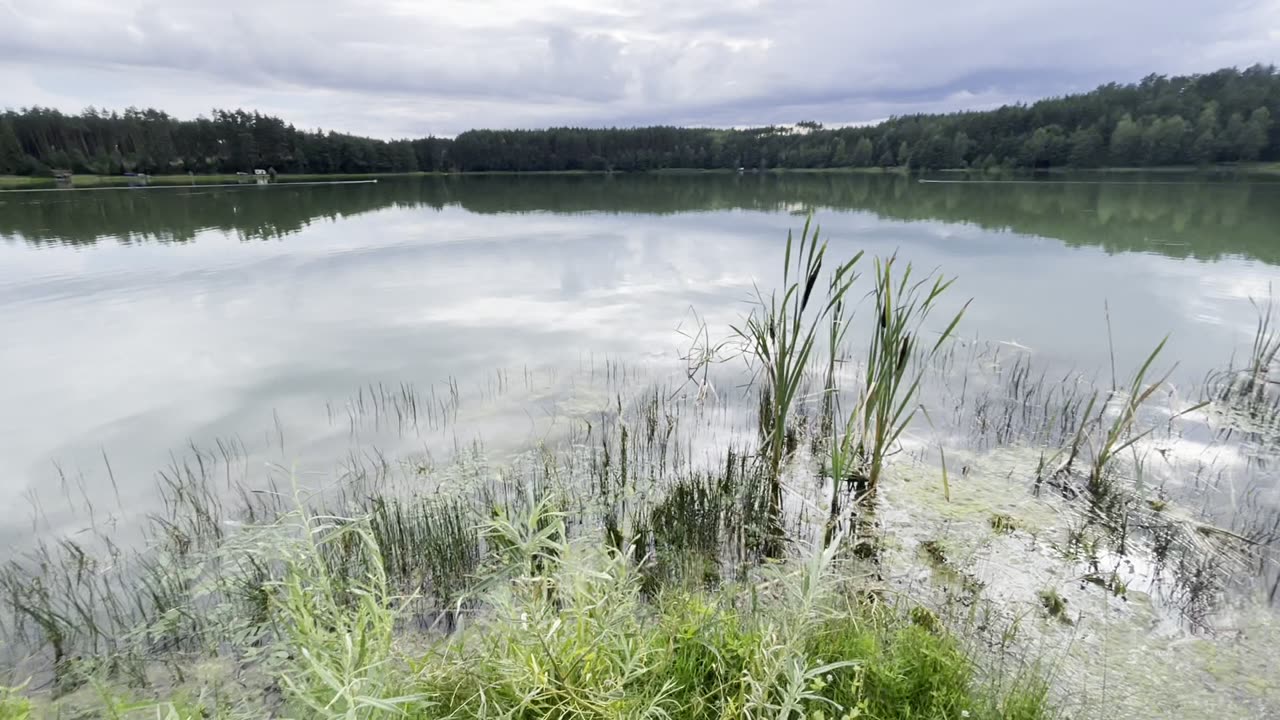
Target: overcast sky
392 68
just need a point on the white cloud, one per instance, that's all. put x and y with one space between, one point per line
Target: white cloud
396 67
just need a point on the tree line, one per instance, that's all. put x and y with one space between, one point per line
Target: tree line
1224 116
1204 220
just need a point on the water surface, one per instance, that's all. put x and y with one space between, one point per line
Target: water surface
138 321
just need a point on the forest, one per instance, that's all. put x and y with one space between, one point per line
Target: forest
1227 116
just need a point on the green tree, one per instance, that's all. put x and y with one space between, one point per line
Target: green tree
886 159
1253 139
840 154
244 155
904 154
1204 149
12 159
932 153
1088 149
1234 137
1163 141
1126 142
1047 146
960 147
1208 119
861 156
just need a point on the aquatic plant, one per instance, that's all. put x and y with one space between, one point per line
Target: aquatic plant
896 361
779 336
888 395
1253 391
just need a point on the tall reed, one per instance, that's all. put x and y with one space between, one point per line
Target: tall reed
896 362
780 335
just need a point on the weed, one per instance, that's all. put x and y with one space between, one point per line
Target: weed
13 704
936 552
1054 604
1003 524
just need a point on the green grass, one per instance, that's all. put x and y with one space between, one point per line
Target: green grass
568 631
570 635
13 705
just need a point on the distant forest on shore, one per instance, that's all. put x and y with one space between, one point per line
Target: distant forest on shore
1224 116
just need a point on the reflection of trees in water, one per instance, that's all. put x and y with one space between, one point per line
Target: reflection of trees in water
1193 219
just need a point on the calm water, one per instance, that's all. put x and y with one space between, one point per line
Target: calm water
135 322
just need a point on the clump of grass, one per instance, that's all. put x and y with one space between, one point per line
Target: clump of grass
886 402
936 552
13 704
1113 430
1111 583
780 335
686 530
1054 604
568 630
1003 524
925 618
429 543
338 628
1257 380
1254 390
798 649
1120 433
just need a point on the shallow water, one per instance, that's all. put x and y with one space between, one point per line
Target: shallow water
139 321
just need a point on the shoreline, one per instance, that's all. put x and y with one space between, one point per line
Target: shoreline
22 182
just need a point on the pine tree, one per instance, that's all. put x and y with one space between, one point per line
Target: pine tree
12 159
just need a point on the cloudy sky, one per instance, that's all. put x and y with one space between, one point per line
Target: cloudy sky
393 68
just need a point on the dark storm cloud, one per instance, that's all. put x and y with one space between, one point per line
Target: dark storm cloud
396 67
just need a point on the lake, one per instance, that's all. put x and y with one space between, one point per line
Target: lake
141 321
250 337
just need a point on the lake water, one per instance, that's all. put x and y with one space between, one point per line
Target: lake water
136 322
274 331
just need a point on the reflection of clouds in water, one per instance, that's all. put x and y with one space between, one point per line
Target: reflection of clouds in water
136 349
1218 295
